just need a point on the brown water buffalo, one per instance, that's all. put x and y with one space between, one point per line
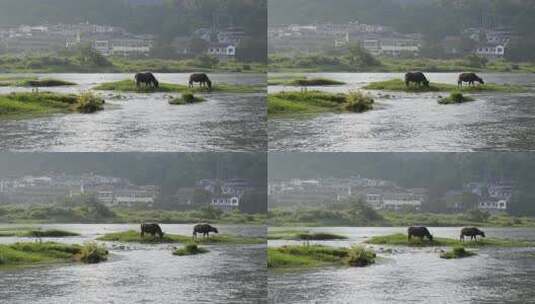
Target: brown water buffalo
201 78
420 232
151 229
471 78
205 229
416 77
148 79
472 232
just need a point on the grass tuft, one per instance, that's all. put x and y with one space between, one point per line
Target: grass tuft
317 101
88 102
318 255
454 98
457 252
186 98
304 236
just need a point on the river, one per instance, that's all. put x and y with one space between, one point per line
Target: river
414 275
413 122
139 273
144 122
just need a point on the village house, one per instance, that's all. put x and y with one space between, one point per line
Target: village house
222 51
491 50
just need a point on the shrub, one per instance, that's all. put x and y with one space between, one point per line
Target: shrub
190 249
456 253
358 256
92 253
357 101
89 103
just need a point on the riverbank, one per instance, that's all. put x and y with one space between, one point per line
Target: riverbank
301 81
323 217
21 81
301 235
304 256
130 86
330 63
72 64
45 253
33 233
307 102
132 236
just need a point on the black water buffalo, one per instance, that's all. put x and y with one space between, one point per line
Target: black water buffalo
471 78
472 232
420 232
147 79
416 77
201 78
151 229
205 229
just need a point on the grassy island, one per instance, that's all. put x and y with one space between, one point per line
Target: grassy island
304 236
35 253
304 81
190 249
457 252
400 239
454 98
130 86
135 237
54 233
24 104
398 85
186 98
288 257
316 102
33 82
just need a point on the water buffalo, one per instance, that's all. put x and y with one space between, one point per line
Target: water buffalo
420 232
416 77
471 78
147 79
472 232
205 229
201 78
152 229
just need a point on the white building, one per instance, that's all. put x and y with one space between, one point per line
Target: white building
491 50
222 50
493 205
226 202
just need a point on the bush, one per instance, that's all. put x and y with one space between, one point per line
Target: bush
89 103
456 253
359 256
92 253
358 102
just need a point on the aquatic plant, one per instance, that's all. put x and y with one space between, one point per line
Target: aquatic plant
358 102
457 252
186 98
190 249
318 255
48 233
359 256
455 97
92 253
304 235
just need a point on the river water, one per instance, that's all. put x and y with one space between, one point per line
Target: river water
413 122
139 273
145 122
414 275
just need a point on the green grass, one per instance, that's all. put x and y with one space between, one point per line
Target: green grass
454 98
288 257
303 81
190 249
22 81
400 239
457 253
130 86
186 98
92 253
304 235
398 85
30 253
23 104
135 237
316 102
56 233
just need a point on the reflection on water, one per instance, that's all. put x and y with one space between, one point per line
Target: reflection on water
415 275
146 122
145 273
414 122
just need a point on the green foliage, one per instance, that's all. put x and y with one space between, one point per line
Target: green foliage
304 82
399 85
359 256
359 102
360 58
190 249
476 61
47 82
27 253
55 233
28 104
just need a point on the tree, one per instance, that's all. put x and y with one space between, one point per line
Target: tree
91 57
359 57
207 60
